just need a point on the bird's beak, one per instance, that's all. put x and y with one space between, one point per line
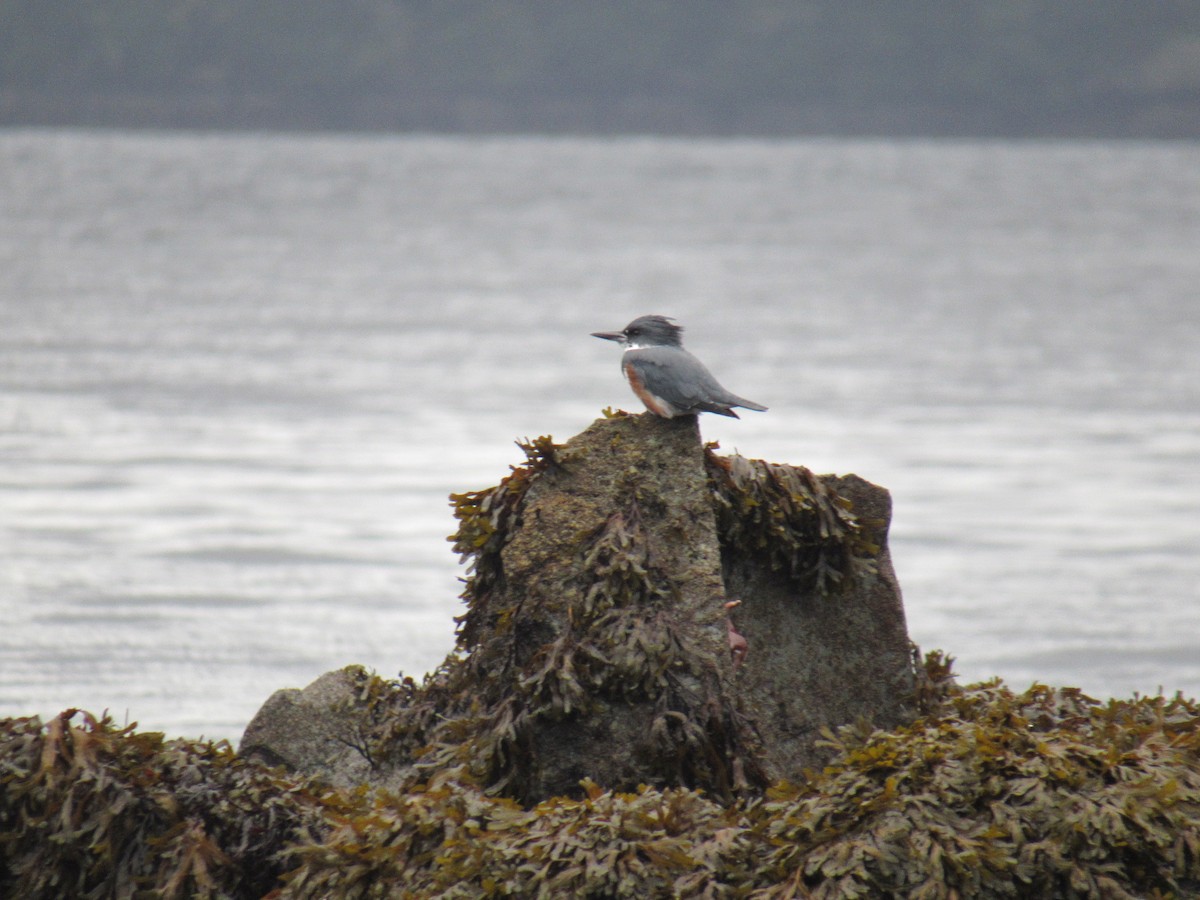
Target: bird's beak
609 335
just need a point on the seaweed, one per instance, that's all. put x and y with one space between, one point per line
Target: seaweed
486 520
991 793
617 646
90 809
1047 793
449 840
787 514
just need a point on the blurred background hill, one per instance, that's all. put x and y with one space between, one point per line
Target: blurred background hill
1102 68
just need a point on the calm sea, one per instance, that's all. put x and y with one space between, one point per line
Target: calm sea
240 374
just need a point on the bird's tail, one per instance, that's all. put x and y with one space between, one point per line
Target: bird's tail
748 404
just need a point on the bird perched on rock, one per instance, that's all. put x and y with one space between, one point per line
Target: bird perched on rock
667 379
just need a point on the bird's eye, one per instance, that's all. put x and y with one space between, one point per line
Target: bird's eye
632 332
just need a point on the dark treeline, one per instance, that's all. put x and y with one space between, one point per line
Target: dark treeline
975 67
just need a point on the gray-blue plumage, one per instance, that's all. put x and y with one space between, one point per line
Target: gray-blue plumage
667 379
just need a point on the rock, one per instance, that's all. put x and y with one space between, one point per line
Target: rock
597 641
605 636
322 730
822 658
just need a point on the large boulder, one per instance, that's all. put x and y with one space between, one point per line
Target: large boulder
597 642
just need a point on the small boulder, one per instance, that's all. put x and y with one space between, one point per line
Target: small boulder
322 730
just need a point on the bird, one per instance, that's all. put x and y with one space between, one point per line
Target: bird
666 378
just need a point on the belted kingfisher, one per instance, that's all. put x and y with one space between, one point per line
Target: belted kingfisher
668 379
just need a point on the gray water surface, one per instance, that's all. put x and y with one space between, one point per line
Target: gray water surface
240 374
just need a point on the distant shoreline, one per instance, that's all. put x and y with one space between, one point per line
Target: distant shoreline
647 116
1063 69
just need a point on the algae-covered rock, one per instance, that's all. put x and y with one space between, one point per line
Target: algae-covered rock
595 623
596 612
824 619
989 793
608 580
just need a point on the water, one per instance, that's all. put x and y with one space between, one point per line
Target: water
240 374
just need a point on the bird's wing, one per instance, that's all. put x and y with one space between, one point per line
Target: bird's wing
682 380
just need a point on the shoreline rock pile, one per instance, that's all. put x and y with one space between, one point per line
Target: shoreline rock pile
607 577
